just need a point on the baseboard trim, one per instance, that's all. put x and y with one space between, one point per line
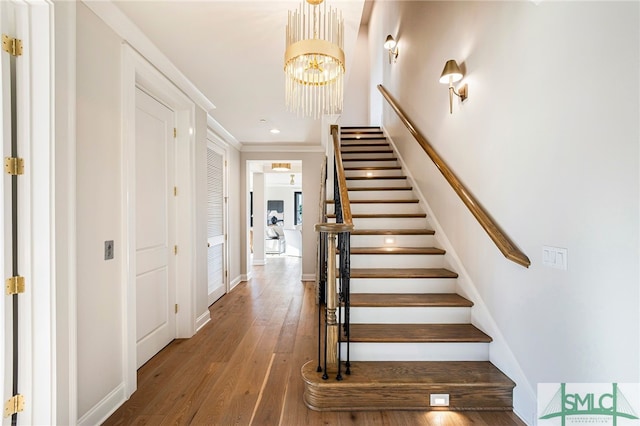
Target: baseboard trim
202 320
103 409
259 262
308 277
246 277
234 282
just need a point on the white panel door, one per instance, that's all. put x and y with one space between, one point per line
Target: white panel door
155 262
215 223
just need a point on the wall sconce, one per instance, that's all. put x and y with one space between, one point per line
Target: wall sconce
450 74
392 46
292 181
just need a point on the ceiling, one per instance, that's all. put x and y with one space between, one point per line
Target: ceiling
233 52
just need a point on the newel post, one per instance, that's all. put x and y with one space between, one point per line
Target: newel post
331 296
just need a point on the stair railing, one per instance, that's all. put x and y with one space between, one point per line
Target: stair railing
336 292
499 237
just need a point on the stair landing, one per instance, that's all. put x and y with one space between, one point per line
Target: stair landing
471 385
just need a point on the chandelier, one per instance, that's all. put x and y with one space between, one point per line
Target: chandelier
314 60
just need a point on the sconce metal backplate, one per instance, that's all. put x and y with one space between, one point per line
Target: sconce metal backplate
463 92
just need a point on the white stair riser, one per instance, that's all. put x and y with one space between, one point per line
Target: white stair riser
403 285
363 131
371 155
373 173
381 208
386 223
346 149
372 183
369 163
396 261
410 315
393 241
416 351
382 194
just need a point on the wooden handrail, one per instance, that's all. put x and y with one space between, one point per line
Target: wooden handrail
499 237
342 180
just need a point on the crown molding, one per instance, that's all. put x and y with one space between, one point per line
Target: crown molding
221 133
129 32
282 148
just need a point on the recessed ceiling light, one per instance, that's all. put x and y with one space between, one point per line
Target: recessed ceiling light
274 131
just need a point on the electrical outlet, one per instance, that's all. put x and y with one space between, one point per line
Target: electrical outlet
108 250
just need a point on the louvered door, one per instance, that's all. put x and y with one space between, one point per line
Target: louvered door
215 223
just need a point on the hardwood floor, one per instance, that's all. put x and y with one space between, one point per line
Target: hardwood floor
243 368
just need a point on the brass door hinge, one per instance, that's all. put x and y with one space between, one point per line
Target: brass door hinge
175 249
14 405
13 46
175 191
176 308
175 132
15 285
14 166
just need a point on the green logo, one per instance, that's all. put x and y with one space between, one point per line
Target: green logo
586 403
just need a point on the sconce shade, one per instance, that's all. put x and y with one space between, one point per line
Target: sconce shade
451 70
389 43
280 167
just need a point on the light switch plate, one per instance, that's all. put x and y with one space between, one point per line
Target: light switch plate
554 257
108 250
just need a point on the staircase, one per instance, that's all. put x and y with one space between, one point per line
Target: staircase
411 335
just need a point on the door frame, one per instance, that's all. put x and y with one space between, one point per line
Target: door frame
136 71
36 192
221 147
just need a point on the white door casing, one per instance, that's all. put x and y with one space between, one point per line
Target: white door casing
155 227
216 221
30 21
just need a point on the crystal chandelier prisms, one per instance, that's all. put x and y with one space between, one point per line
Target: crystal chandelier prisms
314 60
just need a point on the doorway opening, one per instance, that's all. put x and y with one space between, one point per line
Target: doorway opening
275 225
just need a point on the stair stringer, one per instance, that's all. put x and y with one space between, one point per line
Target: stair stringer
500 354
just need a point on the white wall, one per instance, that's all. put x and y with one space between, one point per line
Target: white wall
99 314
235 216
99 163
355 111
548 142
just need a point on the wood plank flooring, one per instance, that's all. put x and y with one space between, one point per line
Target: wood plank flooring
243 368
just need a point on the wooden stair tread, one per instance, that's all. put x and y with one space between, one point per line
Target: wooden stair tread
399 385
360 129
382 215
382 188
373 168
402 273
369 151
470 373
393 232
408 300
378 142
396 250
404 201
417 333
370 159
376 177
